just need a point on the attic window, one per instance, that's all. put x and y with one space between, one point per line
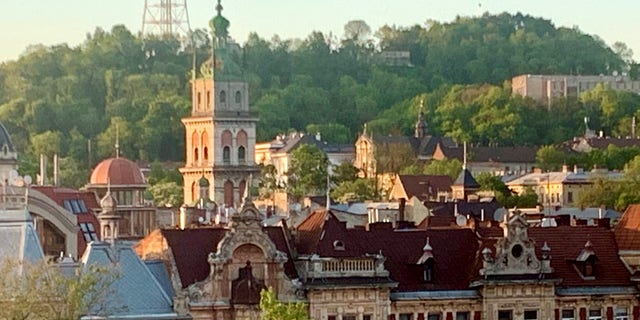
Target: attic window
427 271
338 245
585 263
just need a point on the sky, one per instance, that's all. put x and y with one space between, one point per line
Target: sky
30 22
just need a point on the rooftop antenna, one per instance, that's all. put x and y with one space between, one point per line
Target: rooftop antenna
165 17
464 155
117 143
328 203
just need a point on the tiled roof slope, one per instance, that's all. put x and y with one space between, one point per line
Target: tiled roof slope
419 185
457 250
627 230
518 154
454 251
566 243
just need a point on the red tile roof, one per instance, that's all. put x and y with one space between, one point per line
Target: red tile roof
627 230
422 186
457 251
566 243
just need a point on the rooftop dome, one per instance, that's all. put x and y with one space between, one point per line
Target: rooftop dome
117 171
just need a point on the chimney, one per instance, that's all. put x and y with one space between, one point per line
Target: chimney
565 168
563 220
401 207
603 222
183 217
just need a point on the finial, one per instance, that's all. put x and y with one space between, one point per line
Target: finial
219 8
247 194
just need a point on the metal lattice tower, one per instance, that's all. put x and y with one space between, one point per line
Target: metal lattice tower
165 17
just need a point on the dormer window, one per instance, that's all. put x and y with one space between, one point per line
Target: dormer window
338 245
427 261
585 263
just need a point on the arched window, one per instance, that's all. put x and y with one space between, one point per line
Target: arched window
195 155
228 193
195 143
223 96
205 146
208 100
193 192
241 153
238 97
226 154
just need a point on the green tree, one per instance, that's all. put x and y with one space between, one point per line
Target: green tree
272 309
358 190
549 158
268 181
448 167
344 172
168 194
307 173
43 291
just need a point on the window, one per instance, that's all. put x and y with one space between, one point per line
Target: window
332 318
241 154
205 153
462 315
75 206
350 317
530 315
226 154
570 197
88 231
238 97
505 314
595 314
427 271
433 316
621 313
366 317
338 245
223 97
406 316
588 268
568 314
199 99
195 154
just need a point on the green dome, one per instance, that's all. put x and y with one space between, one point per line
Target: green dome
203 182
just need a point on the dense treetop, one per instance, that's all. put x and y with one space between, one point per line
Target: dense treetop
55 99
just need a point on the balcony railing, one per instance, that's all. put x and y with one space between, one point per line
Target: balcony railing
319 267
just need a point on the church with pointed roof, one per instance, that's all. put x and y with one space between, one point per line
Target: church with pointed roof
221 130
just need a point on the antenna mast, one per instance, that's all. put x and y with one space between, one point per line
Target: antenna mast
166 17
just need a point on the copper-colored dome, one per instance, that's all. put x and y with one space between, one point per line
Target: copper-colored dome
117 171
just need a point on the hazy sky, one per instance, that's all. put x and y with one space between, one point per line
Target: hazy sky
26 22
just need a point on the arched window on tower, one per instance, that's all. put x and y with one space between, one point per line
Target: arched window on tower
195 144
195 155
208 100
205 146
223 96
238 97
226 154
241 154
226 141
193 191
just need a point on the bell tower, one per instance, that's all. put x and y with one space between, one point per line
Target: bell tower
221 130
